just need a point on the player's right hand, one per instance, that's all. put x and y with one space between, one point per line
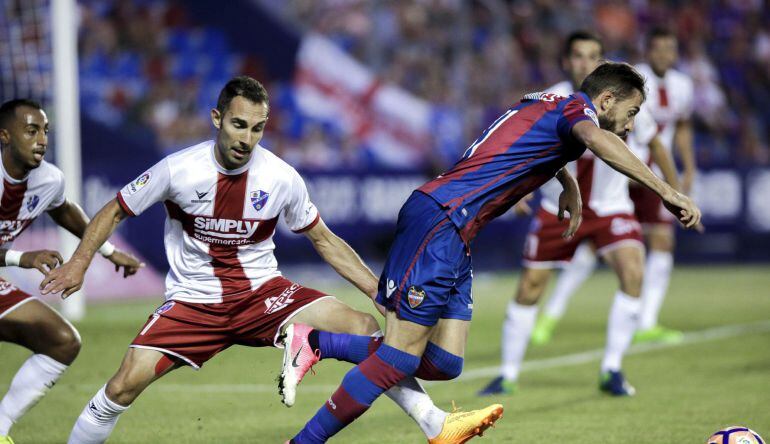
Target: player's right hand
42 260
66 279
684 209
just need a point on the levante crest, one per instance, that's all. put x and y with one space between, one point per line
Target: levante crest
416 295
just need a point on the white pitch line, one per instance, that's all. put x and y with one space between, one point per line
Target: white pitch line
696 337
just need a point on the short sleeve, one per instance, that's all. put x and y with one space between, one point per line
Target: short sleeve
574 112
299 213
645 127
150 187
58 197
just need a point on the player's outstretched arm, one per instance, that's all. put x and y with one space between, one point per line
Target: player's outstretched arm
683 142
68 278
660 156
570 201
612 150
72 218
345 261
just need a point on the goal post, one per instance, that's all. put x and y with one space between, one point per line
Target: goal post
64 25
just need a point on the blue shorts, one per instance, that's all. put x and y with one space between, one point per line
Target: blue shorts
427 275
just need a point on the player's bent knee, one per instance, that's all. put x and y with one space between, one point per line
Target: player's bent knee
120 391
64 344
364 324
438 364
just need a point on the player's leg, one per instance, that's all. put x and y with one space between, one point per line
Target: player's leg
177 333
443 360
54 343
517 328
660 262
140 368
332 329
570 279
627 260
397 358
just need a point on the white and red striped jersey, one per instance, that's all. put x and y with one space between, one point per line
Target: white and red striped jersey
669 99
220 223
604 190
24 200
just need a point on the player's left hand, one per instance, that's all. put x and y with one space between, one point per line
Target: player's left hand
570 201
129 263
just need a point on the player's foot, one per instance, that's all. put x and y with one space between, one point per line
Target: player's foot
6 440
658 334
615 384
499 386
543 331
460 427
298 359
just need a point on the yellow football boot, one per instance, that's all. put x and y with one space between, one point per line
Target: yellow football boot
459 427
6 440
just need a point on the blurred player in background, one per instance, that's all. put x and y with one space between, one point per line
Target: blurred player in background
223 200
609 227
670 102
426 282
31 186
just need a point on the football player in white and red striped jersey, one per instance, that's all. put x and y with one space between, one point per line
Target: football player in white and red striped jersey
609 229
671 96
29 187
224 198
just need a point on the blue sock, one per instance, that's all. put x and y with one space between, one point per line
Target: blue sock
345 347
360 387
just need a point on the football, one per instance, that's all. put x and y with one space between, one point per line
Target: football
735 435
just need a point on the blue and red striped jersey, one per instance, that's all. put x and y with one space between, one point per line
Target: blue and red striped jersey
520 151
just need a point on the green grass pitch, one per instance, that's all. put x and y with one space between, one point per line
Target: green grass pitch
719 377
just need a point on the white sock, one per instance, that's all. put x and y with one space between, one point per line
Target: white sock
96 421
571 277
38 374
657 273
624 318
517 328
411 397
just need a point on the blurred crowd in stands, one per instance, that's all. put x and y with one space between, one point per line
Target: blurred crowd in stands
147 64
480 56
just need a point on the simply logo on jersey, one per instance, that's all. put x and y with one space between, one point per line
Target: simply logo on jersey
238 230
9 229
139 183
259 199
415 295
283 300
32 202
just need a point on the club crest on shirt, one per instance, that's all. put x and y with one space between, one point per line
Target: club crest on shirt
139 183
415 295
259 199
32 202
